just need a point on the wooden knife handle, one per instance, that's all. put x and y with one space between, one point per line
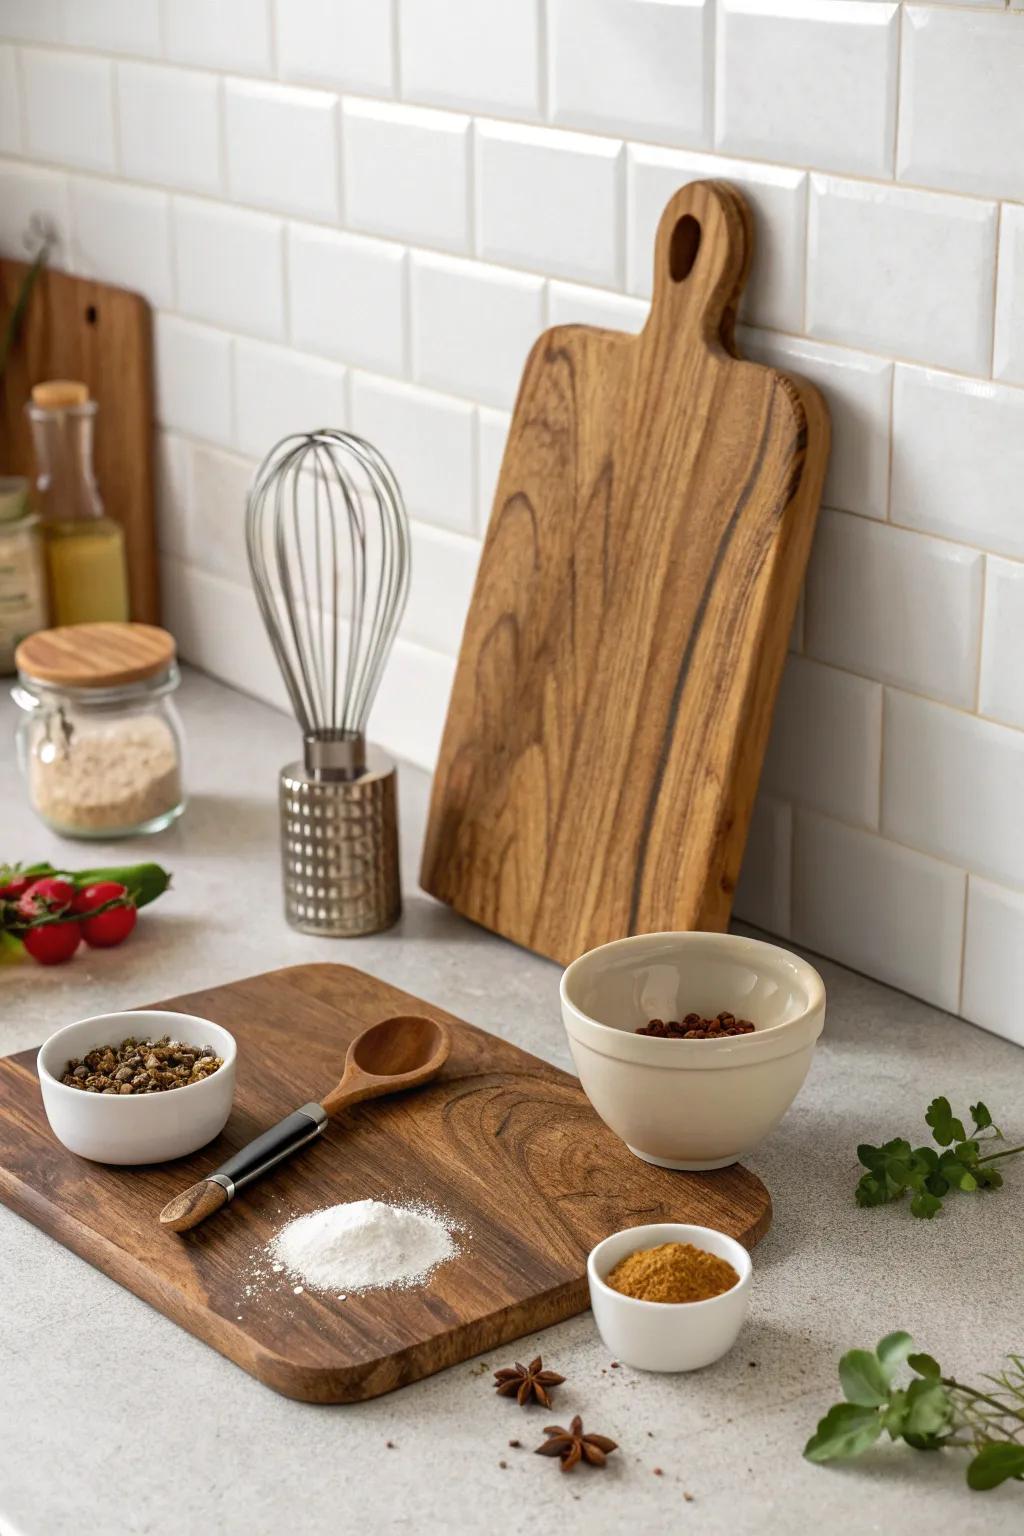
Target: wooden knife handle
193 1205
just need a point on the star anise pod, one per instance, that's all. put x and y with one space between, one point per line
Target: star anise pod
525 1381
572 1445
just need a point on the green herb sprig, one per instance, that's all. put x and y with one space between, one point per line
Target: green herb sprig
931 1412
896 1168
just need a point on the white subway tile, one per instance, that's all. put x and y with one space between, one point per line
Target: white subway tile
778 199
901 271
26 190
994 960
1009 348
69 108
170 126
123 236
218 627
878 907
347 297
473 326
962 101
492 435
811 81
282 147
407 173
443 571
1002 646
409 714
37 21
641 68
858 390
951 784
278 391
346 44
428 441
572 304
115 26
825 744
218 34
10 103
193 379
958 458
480 55
172 494
897 606
230 266
218 488
764 889
550 200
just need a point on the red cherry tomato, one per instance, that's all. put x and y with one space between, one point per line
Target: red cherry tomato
16 887
98 895
53 943
45 896
110 927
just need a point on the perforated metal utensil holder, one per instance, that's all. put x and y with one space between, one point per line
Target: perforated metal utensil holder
339 849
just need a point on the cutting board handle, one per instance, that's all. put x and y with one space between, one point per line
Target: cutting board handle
701 259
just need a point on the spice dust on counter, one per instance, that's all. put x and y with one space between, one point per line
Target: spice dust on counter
672 1272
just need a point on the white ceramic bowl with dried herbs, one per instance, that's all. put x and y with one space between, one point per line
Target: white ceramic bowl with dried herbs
691 1104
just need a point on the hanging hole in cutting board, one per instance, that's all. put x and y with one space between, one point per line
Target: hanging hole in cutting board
92 314
683 248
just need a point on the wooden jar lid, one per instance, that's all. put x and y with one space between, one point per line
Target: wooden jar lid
95 655
57 394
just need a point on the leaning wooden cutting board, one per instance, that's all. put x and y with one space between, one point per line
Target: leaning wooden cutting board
506 1145
631 615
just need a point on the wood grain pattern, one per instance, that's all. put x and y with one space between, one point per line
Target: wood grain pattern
504 1143
629 623
96 655
77 329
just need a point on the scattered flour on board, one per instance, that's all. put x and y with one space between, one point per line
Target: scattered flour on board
362 1245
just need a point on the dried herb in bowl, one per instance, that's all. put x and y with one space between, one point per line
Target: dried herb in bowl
142 1066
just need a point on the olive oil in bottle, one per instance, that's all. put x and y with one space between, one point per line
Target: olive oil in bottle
85 559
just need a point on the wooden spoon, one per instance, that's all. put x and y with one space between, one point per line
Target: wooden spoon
388 1057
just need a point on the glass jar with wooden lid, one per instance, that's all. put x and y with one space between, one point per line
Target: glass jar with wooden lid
100 742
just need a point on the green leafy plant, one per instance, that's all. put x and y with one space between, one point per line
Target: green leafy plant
930 1412
39 242
896 1169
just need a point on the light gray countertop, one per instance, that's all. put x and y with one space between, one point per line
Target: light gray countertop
114 1420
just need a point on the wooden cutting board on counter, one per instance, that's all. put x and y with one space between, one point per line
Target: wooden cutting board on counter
78 329
631 614
504 1144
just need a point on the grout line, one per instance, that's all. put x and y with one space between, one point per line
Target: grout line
995 288
981 639
901 24
544 91
396 50
961 976
891 448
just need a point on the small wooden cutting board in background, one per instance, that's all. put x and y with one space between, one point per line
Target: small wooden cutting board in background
504 1144
631 615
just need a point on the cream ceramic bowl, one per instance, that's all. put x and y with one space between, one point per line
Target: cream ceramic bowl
152 1127
668 1336
691 1103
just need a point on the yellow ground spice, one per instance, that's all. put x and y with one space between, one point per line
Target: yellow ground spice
672 1272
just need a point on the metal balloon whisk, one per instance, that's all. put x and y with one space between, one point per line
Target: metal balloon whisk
328 542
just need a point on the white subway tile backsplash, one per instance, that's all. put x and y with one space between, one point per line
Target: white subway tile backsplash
407 173
428 440
173 473
218 34
951 785
115 26
777 197
170 126
962 93
443 571
809 81
763 894
344 44
27 190
644 69
218 627
230 266
193 379
1008 362
38 21
69 108
410 709
572 304
347 297
278 391
282 147
878 907
897 606
858 389
473 326
123 235
994 959
1001 692
550 200
481 55
902 271
10 103
492 435
218 487
958 459
825 744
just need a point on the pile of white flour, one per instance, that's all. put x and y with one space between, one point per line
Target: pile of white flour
363 1245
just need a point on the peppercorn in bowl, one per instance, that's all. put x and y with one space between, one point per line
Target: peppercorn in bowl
138 1087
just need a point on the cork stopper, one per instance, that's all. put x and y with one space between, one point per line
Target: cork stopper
58 394
95 655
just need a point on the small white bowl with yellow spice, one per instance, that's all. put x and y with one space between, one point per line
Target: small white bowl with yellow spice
669 1260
